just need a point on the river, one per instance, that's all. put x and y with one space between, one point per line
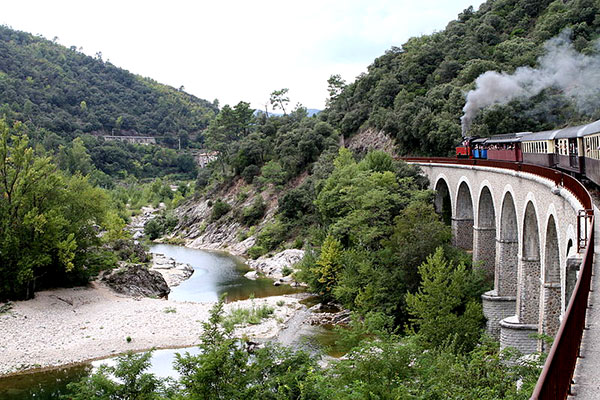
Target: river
215 273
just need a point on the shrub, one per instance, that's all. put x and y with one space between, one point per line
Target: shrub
251 215
273 172
220 208
272 235
285 271
160 225
256 251
250 172
243 316
203 178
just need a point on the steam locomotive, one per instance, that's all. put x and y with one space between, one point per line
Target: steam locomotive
575 150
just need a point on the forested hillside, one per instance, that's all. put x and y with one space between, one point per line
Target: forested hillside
62 90
416 92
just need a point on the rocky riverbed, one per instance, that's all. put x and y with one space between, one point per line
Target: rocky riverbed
65 326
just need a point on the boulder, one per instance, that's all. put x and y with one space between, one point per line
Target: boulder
173 272
138 281
273 267
251 275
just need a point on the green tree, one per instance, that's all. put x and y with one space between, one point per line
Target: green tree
327 267
279 99
75 158
441 310
131 383
335 86
48 221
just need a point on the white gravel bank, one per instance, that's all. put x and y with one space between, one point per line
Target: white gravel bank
67 326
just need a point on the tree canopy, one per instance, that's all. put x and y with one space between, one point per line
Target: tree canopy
415 92
46 85
50 221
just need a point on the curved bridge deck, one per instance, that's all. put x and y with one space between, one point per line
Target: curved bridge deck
587 372
542 224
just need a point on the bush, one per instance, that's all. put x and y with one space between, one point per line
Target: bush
243 316
203 178
272 235
220 208
256 251
297 202
273 172
153 229
250 172
251 215
160 225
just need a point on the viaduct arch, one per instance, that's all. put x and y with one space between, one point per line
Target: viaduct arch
522 229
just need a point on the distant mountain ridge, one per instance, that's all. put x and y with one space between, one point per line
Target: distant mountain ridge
309 111
67 92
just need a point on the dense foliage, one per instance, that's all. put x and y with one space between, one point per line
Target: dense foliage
415 92
384 366
50 220
271 149
376 225
61 90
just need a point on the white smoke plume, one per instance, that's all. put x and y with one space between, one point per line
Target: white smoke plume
561 67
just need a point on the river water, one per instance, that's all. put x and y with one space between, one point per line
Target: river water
215 273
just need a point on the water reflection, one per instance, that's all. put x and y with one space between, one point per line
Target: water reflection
41 385
216 273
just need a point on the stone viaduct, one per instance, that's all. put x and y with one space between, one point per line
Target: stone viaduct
522 229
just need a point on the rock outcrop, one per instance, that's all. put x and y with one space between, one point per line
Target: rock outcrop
136 226
273 267
137 280
372 139
328 315
173 272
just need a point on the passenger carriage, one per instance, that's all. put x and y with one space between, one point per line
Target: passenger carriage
569 150
505 147
539 148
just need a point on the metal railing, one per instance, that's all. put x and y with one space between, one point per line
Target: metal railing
556 377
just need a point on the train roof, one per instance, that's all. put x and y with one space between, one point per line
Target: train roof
505 138
579 131
544 135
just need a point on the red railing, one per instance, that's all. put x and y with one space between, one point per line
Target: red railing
555 380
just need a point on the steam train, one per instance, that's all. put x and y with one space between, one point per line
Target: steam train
574 150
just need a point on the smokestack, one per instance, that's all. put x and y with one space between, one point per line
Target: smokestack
576 75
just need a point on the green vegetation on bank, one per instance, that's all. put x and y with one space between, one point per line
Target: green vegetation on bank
382 366
51 221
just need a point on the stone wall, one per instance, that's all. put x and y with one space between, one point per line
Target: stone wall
507 264
551 311
517 335
528 291
496 308
484 249
462 233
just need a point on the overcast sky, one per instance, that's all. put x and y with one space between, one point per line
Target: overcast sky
236 50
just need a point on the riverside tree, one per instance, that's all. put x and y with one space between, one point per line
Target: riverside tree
49 222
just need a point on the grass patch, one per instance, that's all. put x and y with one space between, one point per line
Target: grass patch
244 316
170 310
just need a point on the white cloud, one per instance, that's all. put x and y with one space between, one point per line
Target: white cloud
236 50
